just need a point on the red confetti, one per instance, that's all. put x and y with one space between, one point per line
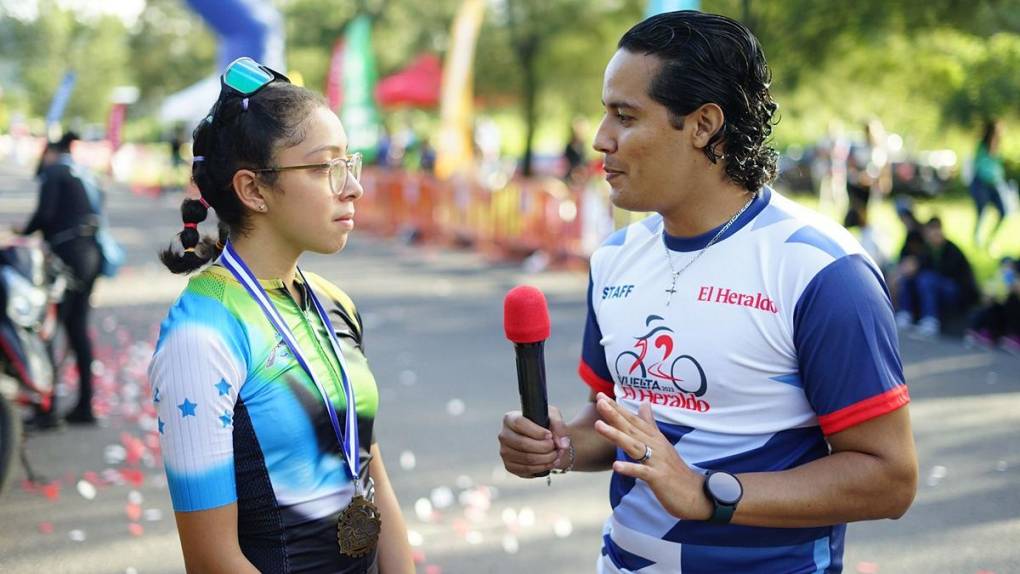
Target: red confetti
46 527
867 568
418 555
433 569
52 491
132 475
135 529
134 512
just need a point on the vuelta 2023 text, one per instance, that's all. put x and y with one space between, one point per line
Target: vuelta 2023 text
650 373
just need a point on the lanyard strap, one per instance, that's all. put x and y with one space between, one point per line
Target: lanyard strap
348 440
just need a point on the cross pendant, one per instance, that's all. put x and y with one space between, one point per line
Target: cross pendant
670 291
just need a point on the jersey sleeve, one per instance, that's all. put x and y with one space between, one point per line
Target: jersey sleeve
593 368
196 375
847 346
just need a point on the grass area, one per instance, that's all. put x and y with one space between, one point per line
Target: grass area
957 215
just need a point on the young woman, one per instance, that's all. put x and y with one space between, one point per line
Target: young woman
257 362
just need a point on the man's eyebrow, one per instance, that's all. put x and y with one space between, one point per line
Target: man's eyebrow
617 104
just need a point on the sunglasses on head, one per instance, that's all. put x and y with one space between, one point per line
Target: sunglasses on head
244 77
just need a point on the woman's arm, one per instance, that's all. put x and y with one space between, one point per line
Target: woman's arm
394 549
209 541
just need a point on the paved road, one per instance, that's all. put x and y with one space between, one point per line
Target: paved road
434 336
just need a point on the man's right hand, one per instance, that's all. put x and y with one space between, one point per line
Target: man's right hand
528 449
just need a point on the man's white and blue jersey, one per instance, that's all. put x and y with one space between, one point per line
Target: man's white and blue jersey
780 334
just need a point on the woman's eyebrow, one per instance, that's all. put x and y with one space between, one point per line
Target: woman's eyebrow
330 147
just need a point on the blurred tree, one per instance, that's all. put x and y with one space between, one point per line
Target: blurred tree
55 42
537 47
171 49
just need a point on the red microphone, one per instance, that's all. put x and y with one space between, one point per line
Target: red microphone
526 323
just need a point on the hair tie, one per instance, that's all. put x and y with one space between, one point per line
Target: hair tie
198 158
190 226
202 200
189 249
244 104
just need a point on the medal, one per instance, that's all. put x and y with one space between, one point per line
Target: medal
358 527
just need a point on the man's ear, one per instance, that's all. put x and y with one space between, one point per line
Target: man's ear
708 120
246 186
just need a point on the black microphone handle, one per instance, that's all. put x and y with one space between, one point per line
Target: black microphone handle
531 382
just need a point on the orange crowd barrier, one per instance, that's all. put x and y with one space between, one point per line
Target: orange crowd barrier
523 218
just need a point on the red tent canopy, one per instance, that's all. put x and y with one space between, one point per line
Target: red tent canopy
416 86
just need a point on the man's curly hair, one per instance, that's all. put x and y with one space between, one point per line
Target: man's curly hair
707 58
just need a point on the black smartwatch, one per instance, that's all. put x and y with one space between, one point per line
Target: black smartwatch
724 491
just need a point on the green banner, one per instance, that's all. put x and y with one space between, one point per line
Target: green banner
359 113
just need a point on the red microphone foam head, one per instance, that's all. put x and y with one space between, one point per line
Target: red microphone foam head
525 315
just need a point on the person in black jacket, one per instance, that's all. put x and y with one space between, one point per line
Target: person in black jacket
68 222
937 279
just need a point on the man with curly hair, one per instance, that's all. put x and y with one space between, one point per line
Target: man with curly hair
746 385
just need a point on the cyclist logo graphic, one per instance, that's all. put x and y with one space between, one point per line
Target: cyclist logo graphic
651 364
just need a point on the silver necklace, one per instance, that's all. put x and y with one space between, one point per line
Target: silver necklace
669 255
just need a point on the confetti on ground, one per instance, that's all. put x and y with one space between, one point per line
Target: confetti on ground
133 511
418 556
938 472
464 482
563 528
86 489
414 538
474 537
77 535
407 460
442 497
423 509
51 491
136 529
408 378
433 569
153 515
1001 466
455 407
510 544
867 568
526 517
46 528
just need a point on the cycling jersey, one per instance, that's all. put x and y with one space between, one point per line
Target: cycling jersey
240 421
780 334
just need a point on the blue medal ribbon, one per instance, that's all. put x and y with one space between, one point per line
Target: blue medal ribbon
348 440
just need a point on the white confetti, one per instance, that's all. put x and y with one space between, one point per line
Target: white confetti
526 517
563 528
474 537
455 407
442 497
153 515
423 509
77 535
407 460
114 454
464 482
86 489
510 544
131 570
135 497
408 378
1001 466
938 472
414 538
509 516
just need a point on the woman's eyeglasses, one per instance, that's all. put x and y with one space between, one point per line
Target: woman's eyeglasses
339 169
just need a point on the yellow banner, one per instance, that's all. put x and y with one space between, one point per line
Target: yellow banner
454 151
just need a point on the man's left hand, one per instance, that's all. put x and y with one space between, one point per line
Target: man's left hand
678 487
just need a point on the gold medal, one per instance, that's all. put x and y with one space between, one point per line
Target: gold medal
358 527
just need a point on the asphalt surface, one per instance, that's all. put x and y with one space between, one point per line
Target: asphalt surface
433 322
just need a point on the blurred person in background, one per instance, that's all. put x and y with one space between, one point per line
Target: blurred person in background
997 321
989 182
933 282
69 219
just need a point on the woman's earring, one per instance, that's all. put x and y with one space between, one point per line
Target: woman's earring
262 208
